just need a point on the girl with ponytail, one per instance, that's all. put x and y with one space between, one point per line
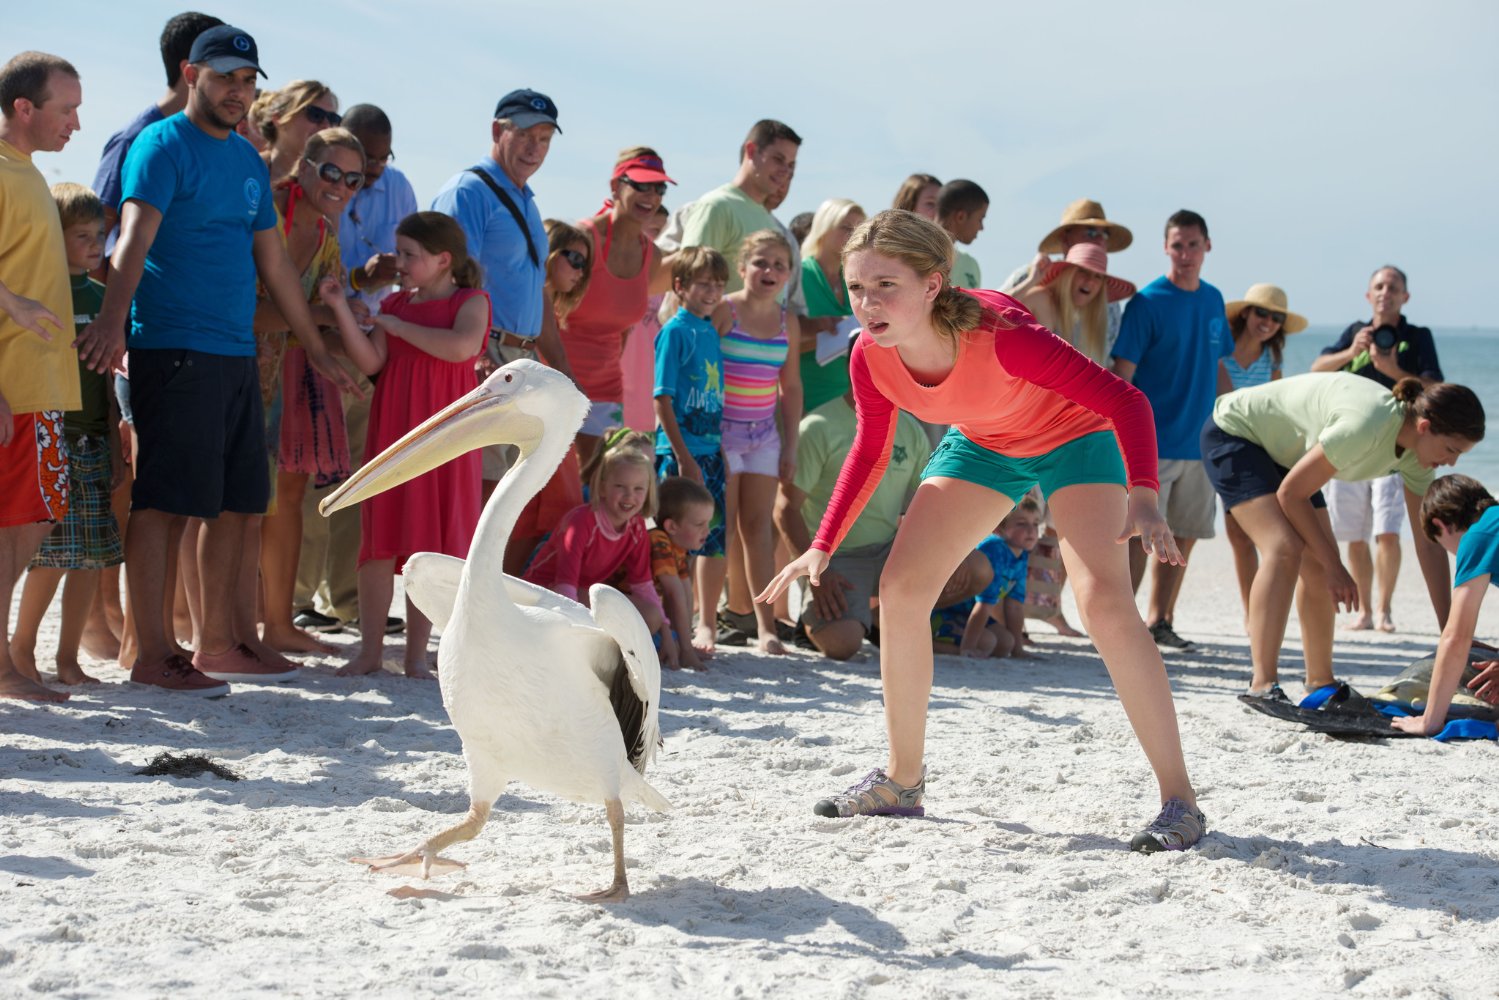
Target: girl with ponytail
1026 408
424 342
1269 451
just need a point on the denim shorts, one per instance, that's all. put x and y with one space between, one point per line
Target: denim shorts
1092 458
752 446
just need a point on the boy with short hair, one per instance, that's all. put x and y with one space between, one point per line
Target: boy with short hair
1462 517
87 539
961 207
684 513
689 409
993 624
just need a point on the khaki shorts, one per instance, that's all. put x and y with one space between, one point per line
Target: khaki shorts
498 458
862 567
1187 499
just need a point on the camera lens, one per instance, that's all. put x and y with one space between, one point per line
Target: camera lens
1385 337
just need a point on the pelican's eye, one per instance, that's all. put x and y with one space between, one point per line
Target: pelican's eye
509 377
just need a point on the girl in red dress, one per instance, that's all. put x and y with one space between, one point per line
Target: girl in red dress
423 345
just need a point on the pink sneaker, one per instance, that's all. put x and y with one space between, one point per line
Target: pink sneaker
239 663
178 674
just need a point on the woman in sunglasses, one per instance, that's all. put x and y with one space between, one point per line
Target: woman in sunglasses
627 270
1259 323
304 411
288 117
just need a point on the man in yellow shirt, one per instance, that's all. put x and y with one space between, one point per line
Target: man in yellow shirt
39 98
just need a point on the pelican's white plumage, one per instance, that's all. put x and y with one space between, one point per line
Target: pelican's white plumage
539 688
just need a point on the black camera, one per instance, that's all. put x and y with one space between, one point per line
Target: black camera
1385 338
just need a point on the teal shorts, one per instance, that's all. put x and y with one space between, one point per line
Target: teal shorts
1092 458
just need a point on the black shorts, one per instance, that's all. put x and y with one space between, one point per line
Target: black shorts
1241 470
202 434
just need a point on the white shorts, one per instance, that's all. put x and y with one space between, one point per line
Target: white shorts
602 417
1188 502
1361 510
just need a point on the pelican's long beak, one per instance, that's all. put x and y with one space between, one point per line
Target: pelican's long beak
486 416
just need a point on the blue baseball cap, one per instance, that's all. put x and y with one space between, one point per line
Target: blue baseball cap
527 108
225 49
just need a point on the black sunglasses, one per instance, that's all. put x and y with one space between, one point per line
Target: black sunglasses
1263 313
577 258
654 187
322 118
333 173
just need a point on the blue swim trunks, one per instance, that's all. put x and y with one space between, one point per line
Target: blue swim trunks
715 478
1092 458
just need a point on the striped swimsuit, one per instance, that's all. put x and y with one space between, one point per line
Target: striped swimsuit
751 377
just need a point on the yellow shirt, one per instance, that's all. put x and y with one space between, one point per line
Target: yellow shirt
35 374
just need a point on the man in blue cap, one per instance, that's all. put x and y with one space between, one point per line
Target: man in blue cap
196 227
494 205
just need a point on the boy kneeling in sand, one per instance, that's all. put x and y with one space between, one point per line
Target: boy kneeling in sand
1462 517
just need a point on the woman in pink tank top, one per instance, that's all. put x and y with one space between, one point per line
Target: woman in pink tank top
1025 408
627 271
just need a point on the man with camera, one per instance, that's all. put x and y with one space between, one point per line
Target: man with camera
1387 348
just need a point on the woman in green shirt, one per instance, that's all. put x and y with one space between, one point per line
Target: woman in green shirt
1270 449
827 299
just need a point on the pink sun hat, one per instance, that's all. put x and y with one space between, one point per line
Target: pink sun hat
1093 258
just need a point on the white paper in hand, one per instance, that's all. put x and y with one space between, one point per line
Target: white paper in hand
836 343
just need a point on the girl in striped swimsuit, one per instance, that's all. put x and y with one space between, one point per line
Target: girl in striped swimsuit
1025 408
756 378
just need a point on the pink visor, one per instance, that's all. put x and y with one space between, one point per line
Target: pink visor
645 169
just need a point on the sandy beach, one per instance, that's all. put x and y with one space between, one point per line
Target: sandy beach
1367 868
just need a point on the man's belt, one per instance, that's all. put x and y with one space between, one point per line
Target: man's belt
507 339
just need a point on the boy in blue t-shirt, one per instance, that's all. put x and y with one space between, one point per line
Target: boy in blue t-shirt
993 623
689 411
1462 517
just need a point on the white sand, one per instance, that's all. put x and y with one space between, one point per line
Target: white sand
1333 867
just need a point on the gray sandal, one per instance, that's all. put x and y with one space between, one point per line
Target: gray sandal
875 795
1177 828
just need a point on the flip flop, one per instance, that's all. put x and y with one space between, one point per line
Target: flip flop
1336 709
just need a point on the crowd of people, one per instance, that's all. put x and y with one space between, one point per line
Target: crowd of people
260 306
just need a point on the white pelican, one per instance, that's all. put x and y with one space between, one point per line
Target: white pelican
539 688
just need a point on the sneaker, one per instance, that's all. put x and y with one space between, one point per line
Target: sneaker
1177 828
393 626
178 674
729 636
1271 693
314 621
744 623
1165 637
240 664
876 795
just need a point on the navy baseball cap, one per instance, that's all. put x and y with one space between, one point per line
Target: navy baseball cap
527 108
225 49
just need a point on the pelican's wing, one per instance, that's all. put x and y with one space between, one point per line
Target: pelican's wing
431 581
617 616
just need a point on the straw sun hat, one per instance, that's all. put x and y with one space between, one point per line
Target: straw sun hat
1085 212
1090 257
1268 297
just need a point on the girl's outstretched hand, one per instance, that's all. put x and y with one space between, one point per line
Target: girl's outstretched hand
1143 517
810 564
331 291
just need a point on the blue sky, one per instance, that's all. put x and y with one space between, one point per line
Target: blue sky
1320 140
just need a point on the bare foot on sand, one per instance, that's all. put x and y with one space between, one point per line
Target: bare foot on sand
71 674
1362 624
1385 623
14 685
703 638
420 671
1060 624
770 644
359 666
294 640
99 642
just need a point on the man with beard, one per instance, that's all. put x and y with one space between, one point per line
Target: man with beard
196 226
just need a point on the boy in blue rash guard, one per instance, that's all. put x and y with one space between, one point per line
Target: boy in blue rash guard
1462 517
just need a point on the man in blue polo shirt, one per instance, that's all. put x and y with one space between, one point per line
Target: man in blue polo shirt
196 225
1173 333
495 207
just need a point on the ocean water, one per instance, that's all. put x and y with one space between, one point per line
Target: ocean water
1469 356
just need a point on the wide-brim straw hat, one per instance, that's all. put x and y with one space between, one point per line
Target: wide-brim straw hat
1090 257
1270 297
1085 212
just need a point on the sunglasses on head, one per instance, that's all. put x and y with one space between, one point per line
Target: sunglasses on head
322 118
653 187
1264 313
333 173
577 258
